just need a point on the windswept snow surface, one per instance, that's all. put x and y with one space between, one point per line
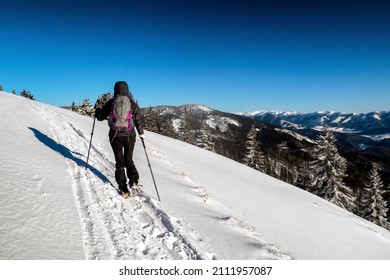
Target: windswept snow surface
211 207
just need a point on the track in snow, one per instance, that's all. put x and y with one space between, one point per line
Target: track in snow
114 228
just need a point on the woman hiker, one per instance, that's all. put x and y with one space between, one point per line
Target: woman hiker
123 118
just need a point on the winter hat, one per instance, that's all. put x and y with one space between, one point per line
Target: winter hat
121 88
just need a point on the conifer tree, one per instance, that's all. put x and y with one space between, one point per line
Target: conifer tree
205 139
27 94
185 131
304 177
1 88
13 92
387 194
86 108
146 117
104 98
152 121
328 171
254 157
372 205
168 129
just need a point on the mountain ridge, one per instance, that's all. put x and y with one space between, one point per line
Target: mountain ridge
371 123
287 148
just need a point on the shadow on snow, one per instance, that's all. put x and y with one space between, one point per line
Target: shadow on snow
64 151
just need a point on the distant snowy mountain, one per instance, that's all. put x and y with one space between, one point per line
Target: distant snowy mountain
211 207
370 124
368 133
287 144
223 124
284 149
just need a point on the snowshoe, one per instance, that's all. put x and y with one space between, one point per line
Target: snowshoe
134 190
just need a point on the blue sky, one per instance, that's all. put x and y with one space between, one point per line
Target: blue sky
234 56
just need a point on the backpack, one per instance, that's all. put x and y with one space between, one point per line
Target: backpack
120 114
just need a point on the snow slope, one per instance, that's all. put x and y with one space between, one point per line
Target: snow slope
211 207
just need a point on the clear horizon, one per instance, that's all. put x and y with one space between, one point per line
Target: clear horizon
233 56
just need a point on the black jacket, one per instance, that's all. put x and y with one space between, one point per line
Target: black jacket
136 120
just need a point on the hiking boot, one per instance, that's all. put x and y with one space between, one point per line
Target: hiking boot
125 195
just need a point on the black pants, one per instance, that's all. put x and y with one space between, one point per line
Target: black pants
123 147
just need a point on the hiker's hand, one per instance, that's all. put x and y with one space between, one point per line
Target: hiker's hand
142 136
97 104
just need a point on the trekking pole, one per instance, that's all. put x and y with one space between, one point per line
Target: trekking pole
90 141
150 167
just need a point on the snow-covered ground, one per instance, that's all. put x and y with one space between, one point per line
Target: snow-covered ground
221 122
211 207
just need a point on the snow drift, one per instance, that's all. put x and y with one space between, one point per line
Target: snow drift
211 207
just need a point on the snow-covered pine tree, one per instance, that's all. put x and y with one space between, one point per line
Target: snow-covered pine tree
104 98
254 157
151 121
304 177
372 206
387 194
155 125
185 131
145 117
328 171
205 140
86 108
168 129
